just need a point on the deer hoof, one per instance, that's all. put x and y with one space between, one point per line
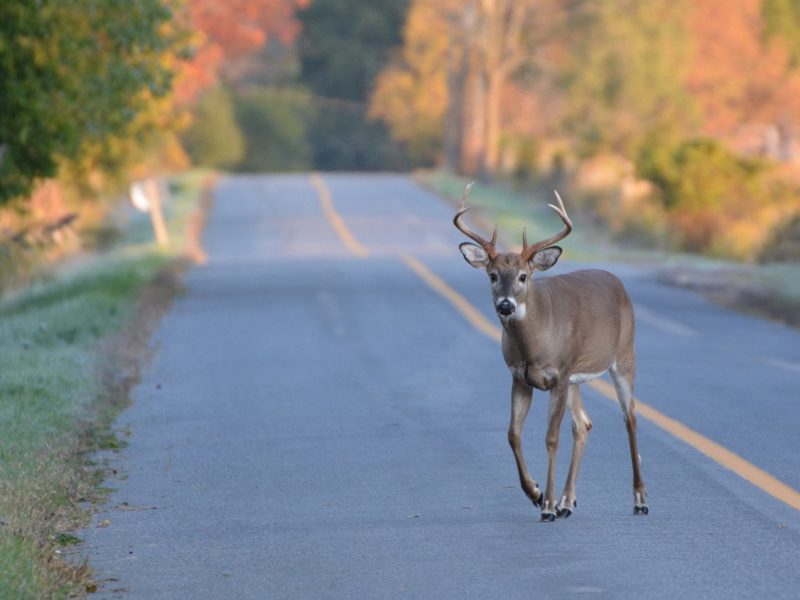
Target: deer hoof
537 501
640 503
549 511
564 510
549 517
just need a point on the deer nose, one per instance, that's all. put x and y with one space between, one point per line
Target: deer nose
505 307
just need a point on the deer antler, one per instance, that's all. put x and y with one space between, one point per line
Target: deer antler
489 246
528 252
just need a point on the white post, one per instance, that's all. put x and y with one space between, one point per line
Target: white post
156 213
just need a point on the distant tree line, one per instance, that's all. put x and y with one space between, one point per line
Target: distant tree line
700 100
304 105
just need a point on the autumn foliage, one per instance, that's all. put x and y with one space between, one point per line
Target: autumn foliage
224 30
701 99
685 111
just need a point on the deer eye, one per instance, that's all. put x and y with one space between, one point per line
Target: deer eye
523 277
493 277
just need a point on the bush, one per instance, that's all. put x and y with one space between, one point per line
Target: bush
344 141
784 243
275 125
214 139
526 166
704 187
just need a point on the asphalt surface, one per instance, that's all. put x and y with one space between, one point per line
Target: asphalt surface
317 425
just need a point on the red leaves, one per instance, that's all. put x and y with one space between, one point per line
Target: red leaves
231 28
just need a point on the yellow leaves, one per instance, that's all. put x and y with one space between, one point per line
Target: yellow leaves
411 93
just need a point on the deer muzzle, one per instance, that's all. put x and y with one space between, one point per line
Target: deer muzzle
506 307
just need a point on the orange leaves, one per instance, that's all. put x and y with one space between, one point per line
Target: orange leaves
736 74
230 28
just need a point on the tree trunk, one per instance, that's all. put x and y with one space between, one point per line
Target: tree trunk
474 134
494 85
454 117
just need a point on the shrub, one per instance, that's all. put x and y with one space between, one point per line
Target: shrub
275 126
214 138
527 154
703 186
343 140
784 243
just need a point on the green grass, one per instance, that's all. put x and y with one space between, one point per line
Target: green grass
54 408
773 291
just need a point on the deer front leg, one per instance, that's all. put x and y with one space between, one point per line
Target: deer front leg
580 433
555 413
521 397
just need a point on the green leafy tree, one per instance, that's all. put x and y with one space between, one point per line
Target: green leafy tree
782 19
344 44
342 47
703 186
214 138
274 123
74 74
624 72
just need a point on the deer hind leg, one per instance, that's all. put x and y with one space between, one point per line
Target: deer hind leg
521 397
580 433
555 414
623 374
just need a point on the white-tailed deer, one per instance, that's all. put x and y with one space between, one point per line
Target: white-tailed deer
558 332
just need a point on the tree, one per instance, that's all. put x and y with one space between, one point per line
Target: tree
228 30
214 139
75 75
411 93
742 70
704 186
782 20
447 85
342 46
496 32
274 123
623 72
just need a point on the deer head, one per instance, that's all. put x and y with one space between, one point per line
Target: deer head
510 274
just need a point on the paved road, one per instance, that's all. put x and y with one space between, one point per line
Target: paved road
317 425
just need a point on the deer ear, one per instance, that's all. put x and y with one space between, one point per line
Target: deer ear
544 259
474 255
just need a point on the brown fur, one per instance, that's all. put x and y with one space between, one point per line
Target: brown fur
581 323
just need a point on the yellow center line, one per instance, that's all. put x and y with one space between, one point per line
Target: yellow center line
335 220
472 314
731 461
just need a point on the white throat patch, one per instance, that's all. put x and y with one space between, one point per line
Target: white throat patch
518 314
519 310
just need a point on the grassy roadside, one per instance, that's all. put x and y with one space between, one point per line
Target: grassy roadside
771 291
69 351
